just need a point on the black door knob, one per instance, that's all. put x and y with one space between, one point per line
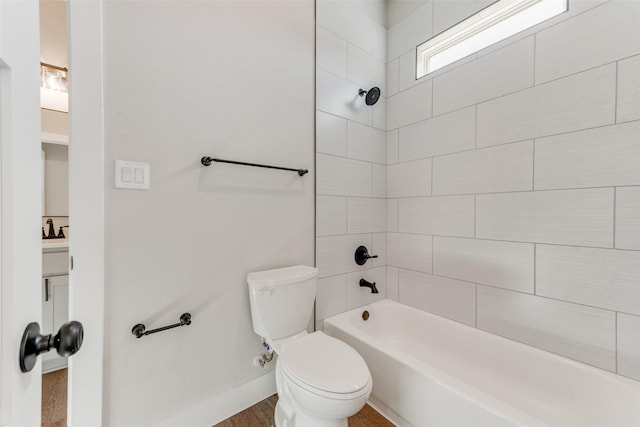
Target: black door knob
67 342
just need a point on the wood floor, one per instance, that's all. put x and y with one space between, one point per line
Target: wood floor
261 415
54 408
54 399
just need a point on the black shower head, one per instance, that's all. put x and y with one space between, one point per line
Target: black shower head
373 95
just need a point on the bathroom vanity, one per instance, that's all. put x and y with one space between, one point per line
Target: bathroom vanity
55 299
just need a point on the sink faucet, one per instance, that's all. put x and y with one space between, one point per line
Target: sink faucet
370 285
52 232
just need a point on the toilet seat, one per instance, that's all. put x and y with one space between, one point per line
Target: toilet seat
325 366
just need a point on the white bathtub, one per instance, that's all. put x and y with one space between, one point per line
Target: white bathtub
430 371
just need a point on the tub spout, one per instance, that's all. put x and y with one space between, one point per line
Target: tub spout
370 285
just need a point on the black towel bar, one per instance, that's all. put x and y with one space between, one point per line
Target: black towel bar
206 161
139 329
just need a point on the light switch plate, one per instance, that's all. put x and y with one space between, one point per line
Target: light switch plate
132 175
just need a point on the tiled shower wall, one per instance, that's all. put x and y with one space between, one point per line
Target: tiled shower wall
351 153
513 182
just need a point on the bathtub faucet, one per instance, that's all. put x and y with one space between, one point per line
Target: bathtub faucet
370 285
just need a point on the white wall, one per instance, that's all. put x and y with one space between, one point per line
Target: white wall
350 153
514 183
182 80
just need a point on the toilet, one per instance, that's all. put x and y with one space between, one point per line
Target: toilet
320 380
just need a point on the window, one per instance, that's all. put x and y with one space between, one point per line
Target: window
496 22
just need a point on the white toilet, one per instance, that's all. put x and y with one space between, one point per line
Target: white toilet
320 380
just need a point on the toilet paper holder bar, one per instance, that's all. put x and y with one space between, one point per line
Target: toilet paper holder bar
139 330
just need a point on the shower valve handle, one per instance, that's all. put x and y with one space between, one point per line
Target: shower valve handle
362 255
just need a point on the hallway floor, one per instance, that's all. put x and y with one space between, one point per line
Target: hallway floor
54 399
261 415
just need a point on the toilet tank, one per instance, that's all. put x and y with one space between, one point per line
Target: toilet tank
282 300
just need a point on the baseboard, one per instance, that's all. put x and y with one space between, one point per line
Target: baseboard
222 406
387 412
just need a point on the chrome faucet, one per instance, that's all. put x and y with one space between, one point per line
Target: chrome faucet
372 286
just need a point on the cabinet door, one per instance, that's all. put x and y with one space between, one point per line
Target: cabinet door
55 311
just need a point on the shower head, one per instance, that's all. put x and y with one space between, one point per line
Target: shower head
372 97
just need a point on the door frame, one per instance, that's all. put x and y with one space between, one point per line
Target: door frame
86 209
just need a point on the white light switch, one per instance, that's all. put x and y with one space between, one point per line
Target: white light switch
132 175
126 174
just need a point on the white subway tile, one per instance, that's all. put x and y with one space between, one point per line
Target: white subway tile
379 183
409 106
629 89
366 70
380 42
331 215
410 251
337 176
506 265
375 10
367 215
576 102
409 179
358 296
380 113
596 37
601 157
366 143
449 133
581 333
605 278
392 283
505 71
628 218
334 254
410 32
331 297
629 346
340 97
407 70
392 77
392 146
331 52
379 248
566 217
498 169
331 134
347 21
453 299
443 215
392 215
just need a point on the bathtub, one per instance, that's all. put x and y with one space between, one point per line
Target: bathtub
430 371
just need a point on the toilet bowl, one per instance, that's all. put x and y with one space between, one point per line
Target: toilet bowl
320 380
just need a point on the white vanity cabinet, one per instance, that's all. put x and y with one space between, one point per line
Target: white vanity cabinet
55 301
